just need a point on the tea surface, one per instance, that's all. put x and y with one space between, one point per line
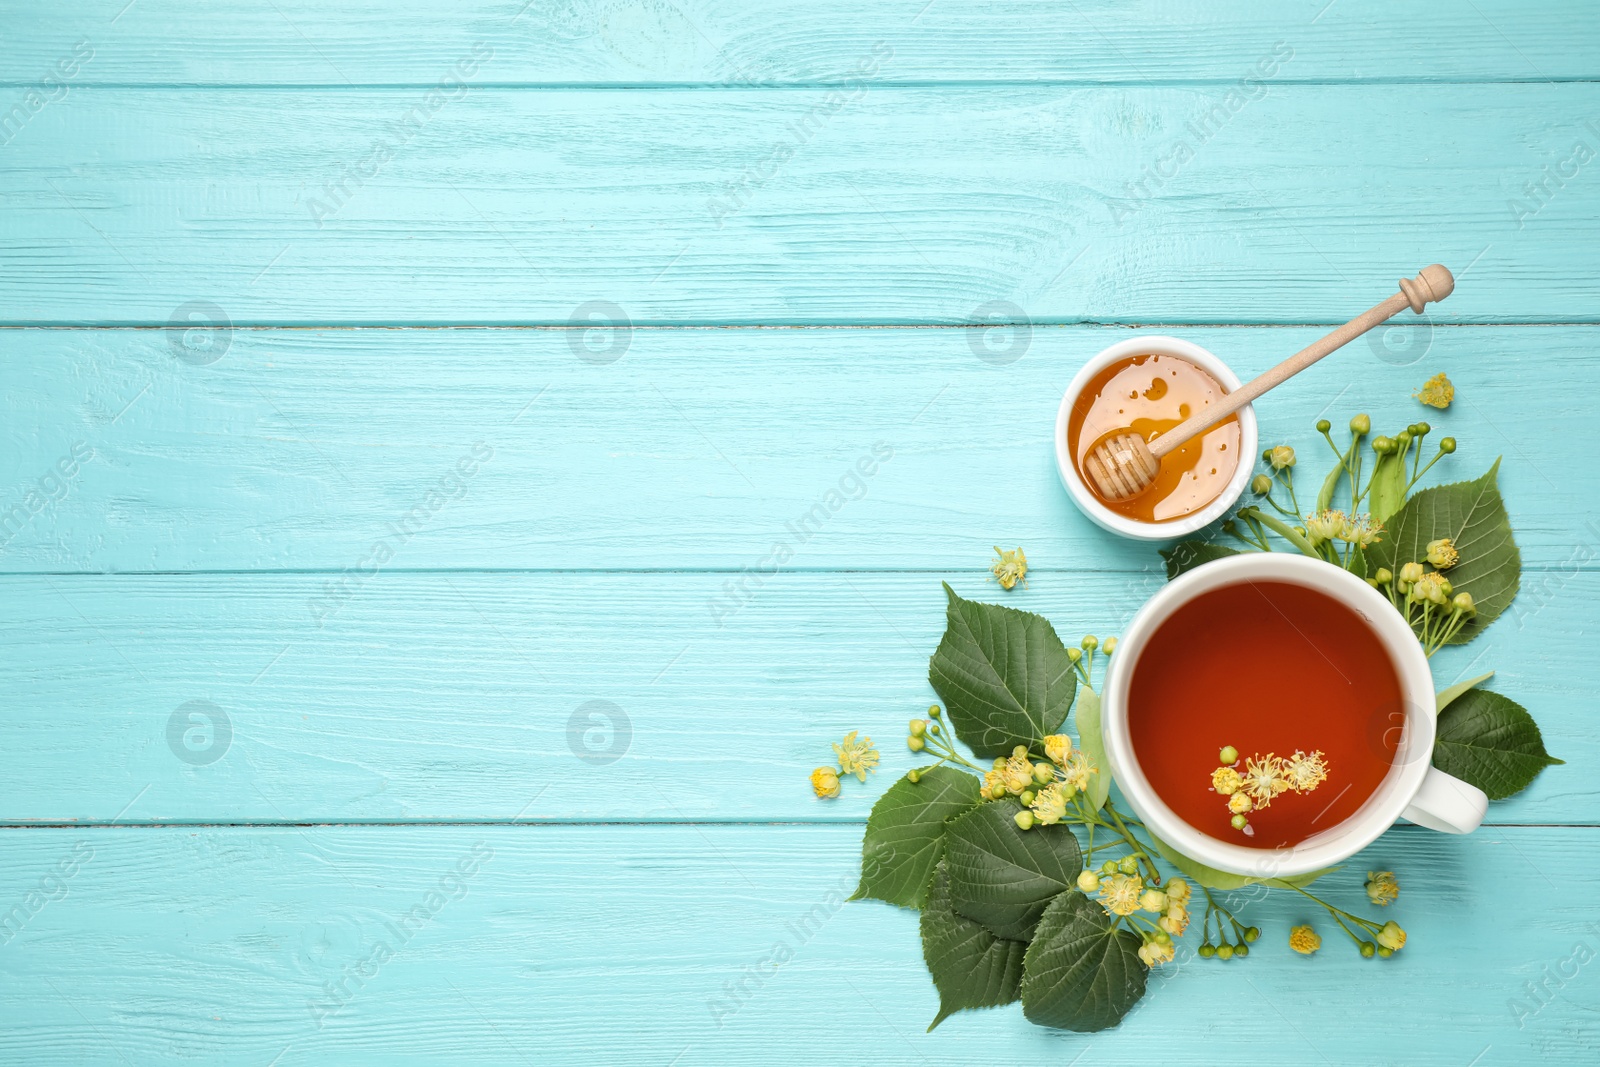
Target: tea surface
1266 667
1152 394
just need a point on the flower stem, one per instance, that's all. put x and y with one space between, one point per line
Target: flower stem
1282 529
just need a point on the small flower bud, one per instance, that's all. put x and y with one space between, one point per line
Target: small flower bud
1411 573
1323 425
915 744
1026 798
1251 933
1206 951
1421 429
1391 937
918 726
1241 951
1224 952
1108 867
1020 752
1463 603
1153 900
1128 865
1261 485
999 763
1266 455
1281 457
1402 440
1239 803
1447 445
1090 643
1109 647
1229 755
1384 576
1368 949
1383 445
913 776
825 783
1088 881
1239 822
1074 654
1361 424
997 791
1384 953
933 709
1023 819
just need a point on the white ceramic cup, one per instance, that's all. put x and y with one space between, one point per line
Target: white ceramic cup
1085 498
1413 789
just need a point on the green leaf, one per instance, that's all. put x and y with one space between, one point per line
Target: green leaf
1212 878
1003 876
1446 696
1187 555
1080 973
1088 719
1490 741
905 834
971 967
1330 484
1473 516
1386 493
1003 675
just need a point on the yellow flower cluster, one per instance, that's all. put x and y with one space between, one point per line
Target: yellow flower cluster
1045 789
1382 889
1335 525
1010 568
1304 940
1265 778
1123 893
856 757
1437 392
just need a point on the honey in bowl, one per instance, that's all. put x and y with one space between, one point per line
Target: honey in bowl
1264 667
1151 394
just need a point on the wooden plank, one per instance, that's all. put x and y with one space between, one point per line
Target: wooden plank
696 448
787 42
370 206
221 945
471 696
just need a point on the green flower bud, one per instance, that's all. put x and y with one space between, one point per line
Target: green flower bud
1402 440
1368 950
1361 424
1024 820
1266 455
1110 646
1128 865
1251 933
915 744
1241 951
1384 953
1421 429
1088 881
1074 654
918 726
1323 425
913 776
933 709
1384 576
1239 822
1026 798
1228 756
1163 938
1411 573
1447 445
1043 773
999 762
998 792
1261 485
1383 445
1090 643
1463 603
1108 867
1206 951
1280 457
1224 952
1301 530
1019 752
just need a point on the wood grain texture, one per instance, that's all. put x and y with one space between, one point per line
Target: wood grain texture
882 205
696 42
696 449
468 697
219 945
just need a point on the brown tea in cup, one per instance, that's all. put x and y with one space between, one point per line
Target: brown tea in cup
1273 670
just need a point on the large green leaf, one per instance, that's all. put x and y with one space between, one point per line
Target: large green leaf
1187 555
1080 973
1003 674
971 967
1088 720
905 834
1212 878
1473 516
1490 741
1003 876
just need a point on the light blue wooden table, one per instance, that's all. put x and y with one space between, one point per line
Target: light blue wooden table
427 372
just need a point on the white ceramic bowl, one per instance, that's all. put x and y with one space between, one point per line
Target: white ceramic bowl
1413 788
1084 497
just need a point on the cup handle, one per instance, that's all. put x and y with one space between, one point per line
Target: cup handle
1447 804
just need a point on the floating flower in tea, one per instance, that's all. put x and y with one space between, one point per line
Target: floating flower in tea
1265 778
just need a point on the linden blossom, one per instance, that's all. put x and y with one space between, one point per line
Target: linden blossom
852 485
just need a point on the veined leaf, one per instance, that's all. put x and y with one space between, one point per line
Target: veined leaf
1490 741
971 968
905 834
1473 516
1079 973
1187 555
1003 674
1088 720
1003 876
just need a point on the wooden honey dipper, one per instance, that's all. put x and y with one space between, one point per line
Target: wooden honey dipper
1122 466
